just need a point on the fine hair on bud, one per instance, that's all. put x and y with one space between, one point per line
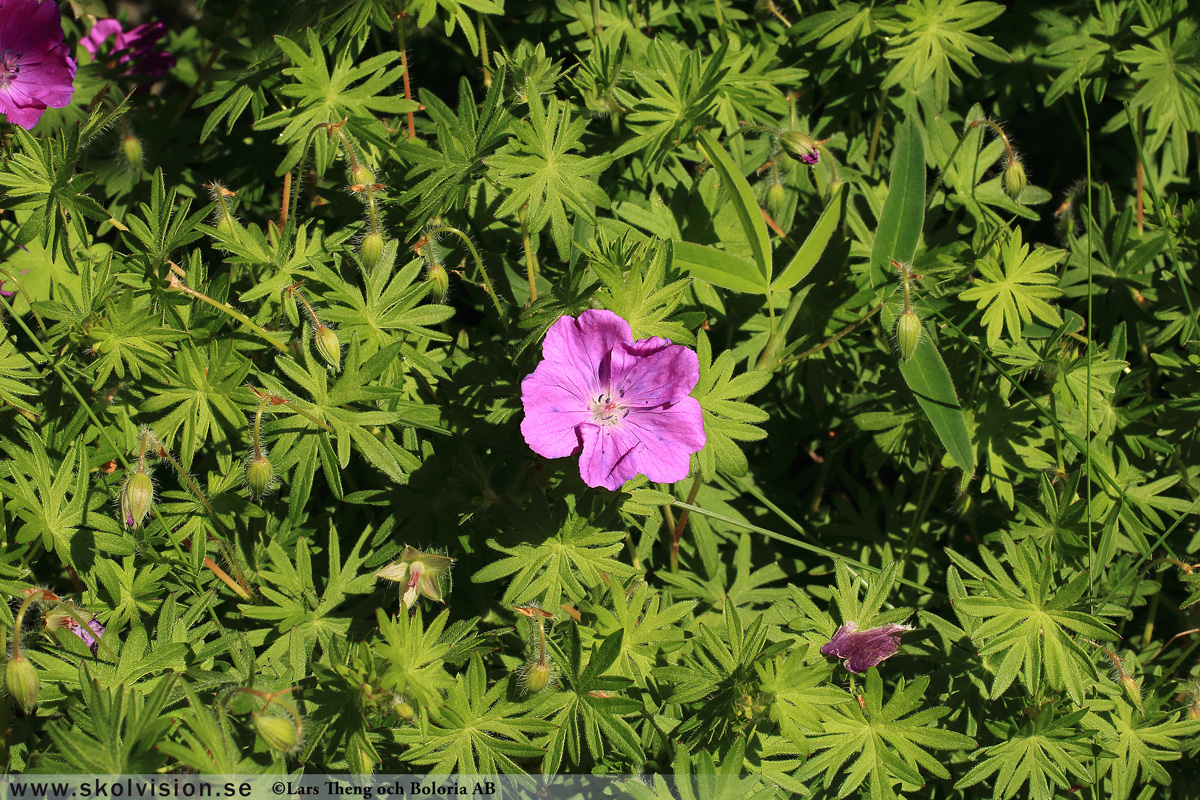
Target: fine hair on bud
908 334
279 732
260 474
223 218
136 498
371 248
329 347
21 682
131 151
535 676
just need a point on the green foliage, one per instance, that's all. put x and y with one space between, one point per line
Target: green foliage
1016 497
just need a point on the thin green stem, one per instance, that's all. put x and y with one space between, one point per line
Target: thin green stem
737 523
877 129
920 513
229 310
487 281
962 137
8 276
531 266
1087 407
1162 221
677 535
835 338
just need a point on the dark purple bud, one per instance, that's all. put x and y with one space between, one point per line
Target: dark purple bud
800 147
861 650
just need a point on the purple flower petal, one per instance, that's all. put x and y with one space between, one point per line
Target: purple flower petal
861 650
582 346
36 70
553 431
102 31
653 372
137 47
622 406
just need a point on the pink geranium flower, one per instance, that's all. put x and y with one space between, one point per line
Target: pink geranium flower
36 69
861 650
621 406
136 47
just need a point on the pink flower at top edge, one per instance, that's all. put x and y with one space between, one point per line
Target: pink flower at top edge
136 47
36 69
621 406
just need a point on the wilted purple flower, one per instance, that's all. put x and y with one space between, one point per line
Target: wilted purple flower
861 650
36 69
621 405
136 47
90 635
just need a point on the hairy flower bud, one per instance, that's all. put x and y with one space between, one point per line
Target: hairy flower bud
329 347
1014 178
22 680
371 249
800 147
403 711
535 677
137 497
131 150
227 226
363 175
438 279
279 733
908 334
259 474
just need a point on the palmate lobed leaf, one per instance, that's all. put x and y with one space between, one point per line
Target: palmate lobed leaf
542 174
934 37
1014 286
1030 627
882 744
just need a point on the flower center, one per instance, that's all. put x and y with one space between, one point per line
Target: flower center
607 409
10 66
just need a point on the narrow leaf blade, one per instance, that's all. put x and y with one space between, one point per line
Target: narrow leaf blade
927 376
718 267
743 202
810 252
904 209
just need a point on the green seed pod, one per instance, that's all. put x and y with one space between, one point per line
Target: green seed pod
131 151
800 147
22 680
536 677
371 250
1014 179
908 334
279 733
362 176
259 474
329 347
137 497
